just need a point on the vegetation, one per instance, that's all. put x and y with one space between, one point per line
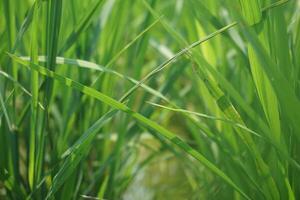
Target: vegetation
148 99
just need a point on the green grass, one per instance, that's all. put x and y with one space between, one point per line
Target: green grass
112 99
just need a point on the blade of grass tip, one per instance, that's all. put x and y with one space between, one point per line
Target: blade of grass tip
207 117
140 118
34 100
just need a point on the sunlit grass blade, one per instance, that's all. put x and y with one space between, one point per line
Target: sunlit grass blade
34 102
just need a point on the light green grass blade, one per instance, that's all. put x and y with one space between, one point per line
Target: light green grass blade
265 91
34 102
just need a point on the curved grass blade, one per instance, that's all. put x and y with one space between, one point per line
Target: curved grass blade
94 66
207 117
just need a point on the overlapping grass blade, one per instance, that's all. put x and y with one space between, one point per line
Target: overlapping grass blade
143 120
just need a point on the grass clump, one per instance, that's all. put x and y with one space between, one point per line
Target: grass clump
106 99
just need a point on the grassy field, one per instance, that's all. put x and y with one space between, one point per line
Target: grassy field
150 99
